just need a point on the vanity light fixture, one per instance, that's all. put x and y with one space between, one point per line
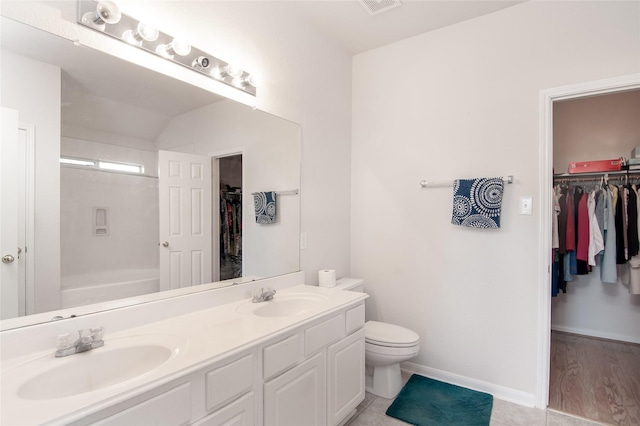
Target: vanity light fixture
106 17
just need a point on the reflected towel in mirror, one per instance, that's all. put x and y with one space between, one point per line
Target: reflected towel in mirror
265 207
477 202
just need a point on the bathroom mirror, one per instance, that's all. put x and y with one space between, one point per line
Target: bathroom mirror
105 218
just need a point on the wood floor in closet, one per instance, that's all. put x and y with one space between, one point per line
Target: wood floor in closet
595 378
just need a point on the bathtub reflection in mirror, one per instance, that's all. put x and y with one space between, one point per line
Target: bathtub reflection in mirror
112 220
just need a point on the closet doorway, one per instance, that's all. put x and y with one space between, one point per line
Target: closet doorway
594 335
228 264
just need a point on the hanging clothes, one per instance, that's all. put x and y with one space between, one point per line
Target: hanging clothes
632 223
596 242
555 233
620 233
582 231
562 223
608 271
634 262
570 233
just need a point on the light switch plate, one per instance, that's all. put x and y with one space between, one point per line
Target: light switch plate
526 205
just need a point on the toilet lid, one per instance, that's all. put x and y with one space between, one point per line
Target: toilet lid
383 334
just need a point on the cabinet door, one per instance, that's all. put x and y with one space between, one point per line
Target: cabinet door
298 397
238 413
346 376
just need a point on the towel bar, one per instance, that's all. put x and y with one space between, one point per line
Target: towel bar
289 192
449 183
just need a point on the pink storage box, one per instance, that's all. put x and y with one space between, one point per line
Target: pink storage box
595 166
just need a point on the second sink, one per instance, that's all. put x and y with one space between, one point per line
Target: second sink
284 305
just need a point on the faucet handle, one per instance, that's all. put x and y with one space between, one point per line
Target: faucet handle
97 333
84 336
256 293
64 341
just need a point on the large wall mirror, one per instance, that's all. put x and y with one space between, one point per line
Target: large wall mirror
123 183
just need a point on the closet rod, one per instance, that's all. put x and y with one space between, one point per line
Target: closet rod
446 183
566 177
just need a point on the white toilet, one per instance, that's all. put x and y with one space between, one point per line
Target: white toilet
386 346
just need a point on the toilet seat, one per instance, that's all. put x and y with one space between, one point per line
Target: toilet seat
389 335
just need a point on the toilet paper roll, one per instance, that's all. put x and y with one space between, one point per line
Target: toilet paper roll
327 278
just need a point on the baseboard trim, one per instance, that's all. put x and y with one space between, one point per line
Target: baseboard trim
598 334
500 392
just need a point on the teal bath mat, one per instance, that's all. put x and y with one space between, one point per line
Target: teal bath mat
428 402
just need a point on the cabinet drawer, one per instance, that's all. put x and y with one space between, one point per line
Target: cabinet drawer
170 408
354 318
282 355
238 413
321 335
229 381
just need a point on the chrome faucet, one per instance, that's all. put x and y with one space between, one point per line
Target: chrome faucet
259 295
87 340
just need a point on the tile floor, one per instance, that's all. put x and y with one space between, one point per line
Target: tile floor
371 412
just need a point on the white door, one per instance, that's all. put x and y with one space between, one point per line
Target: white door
185 219
9 215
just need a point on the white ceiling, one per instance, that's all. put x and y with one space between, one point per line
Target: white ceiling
347 22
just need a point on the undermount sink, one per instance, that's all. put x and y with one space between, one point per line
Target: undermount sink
284 305
118 361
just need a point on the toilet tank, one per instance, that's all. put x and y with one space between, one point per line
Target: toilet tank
351 284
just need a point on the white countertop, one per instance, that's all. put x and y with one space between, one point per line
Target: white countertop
210 335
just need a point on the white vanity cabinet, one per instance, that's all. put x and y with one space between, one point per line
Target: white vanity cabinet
311 374
327 383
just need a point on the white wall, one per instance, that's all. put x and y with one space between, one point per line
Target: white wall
599 127
271 161
33 89
463 101
305 77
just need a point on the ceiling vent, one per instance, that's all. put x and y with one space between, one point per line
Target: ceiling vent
375 7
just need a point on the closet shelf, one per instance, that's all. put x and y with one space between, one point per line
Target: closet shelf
578 176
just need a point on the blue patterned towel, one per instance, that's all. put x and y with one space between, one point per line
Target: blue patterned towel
477 202
265 207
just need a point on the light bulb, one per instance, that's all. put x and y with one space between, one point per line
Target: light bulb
251 80
176 46
233 71
130 37
142 33
180 47
107 12
219 74
148 33
163 50
237 82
